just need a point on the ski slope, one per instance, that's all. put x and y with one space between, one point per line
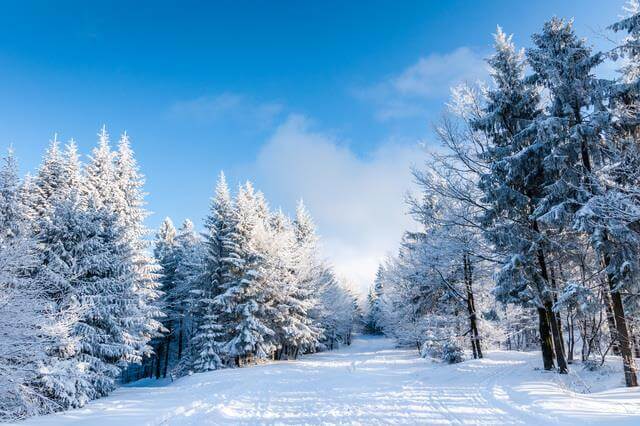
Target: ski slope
368 383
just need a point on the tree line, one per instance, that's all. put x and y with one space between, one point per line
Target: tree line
530 212
85 295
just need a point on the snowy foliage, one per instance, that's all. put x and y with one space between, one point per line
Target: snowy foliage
84 305
533 200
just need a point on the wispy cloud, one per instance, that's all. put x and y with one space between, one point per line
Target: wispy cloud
227 106
358 203
408 93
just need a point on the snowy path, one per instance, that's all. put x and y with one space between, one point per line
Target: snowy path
367 383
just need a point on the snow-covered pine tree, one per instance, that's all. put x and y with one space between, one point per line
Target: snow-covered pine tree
300 331
570 128
86 260
221 257
100 174
113 183
190 256
610 217
13 218
374 301
336 312
165 254
131 213
59 172
245 297
27 326
512 186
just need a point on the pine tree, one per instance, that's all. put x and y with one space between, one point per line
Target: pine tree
166 256
28 327
513 186
303 333
131 213
221 258
373 303
570 128
244 297
100 173
85 259
190 255
12 212
607 216
58 174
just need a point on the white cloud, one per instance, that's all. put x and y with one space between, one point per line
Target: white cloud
358 203
430 78
227 106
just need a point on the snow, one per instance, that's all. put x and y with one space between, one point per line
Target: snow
370 382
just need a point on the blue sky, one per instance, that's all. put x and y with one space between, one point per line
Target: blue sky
323 100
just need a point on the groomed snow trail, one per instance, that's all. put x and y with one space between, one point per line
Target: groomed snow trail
368 383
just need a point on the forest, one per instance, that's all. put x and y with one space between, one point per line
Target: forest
89 301
515 298
529 211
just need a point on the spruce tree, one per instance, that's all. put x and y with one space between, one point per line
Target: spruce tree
244 297
189 254
513 186
28 326
131 213
166 256
221 258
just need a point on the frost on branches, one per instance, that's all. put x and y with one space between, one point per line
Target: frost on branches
529 214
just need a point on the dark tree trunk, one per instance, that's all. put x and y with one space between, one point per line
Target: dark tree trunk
180 338
557 339
623 338
551 316
166 354
546 343
471 308
558 317
622 330
611 321
635 341
572 338
157 360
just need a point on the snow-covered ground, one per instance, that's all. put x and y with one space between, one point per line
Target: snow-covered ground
368 383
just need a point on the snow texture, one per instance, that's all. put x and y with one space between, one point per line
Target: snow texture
370 382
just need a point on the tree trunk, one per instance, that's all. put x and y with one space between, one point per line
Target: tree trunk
635 341
551 316
557 339
546 343
557 315
180 337
158 358
166 354
611 321
622 330
471 308
622 334
571 333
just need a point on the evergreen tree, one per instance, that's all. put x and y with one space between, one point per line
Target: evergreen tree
303 333
131 213
166 256
374 300
220 264
100 174
513 186
570 128
244 298
190 255
27 326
